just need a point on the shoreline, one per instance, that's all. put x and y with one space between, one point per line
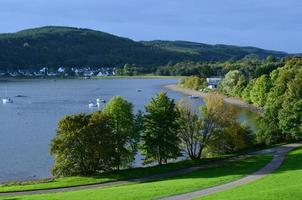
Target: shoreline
5 79
230 100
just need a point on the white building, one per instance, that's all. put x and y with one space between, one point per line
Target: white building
61 70
213 82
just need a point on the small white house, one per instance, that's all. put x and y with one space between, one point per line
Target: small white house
213 82
61 70
88 73
100 74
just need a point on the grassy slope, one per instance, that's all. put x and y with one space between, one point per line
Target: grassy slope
106 177
284 184
180 184
113 176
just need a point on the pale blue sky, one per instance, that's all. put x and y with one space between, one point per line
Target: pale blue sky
270 24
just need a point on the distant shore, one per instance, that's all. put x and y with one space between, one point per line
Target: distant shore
4 79
229 100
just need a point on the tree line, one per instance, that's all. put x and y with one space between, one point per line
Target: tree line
87 144
251 65
279 93
271 84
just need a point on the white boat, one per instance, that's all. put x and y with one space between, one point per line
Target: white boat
92 105
6 99
99 101
193 97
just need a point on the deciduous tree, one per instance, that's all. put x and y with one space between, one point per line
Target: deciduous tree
121 114
160 140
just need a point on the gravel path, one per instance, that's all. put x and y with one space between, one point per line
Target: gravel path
278 153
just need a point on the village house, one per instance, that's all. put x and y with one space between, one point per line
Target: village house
213 82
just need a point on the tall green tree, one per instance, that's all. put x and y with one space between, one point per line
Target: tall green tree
282 107
290 116
160 140
233 83
82 145
246 93
260 90
125 135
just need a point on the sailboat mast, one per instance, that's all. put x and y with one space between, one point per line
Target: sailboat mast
5 91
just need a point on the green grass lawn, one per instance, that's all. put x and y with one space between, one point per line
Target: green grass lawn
284 184
155 189
106 177
113 176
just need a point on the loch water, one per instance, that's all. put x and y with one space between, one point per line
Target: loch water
28 125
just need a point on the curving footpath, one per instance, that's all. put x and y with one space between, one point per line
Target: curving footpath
278 153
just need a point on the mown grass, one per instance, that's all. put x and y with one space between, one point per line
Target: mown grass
284 184
105 177
113 176
165 187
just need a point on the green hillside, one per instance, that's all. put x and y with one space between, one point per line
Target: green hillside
57 46
54 46
213 52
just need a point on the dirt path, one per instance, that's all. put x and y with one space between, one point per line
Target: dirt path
229 100
279 154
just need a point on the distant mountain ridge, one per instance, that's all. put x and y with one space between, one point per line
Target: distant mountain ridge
214 52
54 46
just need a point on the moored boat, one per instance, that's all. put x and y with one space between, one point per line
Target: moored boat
7 100
193 97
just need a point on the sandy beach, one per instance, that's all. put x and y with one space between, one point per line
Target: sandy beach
229 100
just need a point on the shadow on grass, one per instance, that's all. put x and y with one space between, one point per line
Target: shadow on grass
236 168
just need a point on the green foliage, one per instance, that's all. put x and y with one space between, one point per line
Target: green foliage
233 83
213 52
160 140
266 68
188 68
221 133
246 93
234 138
290 115
190 131
132 70
281 120
69 47
260 90
55 46
125 133
83 145
193 82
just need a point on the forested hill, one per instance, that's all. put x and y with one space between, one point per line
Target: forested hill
65 46
218 52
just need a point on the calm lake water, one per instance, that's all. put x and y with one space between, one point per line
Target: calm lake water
28 125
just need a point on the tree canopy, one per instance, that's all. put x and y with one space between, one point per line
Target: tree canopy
160 140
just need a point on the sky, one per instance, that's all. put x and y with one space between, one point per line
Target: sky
269 24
